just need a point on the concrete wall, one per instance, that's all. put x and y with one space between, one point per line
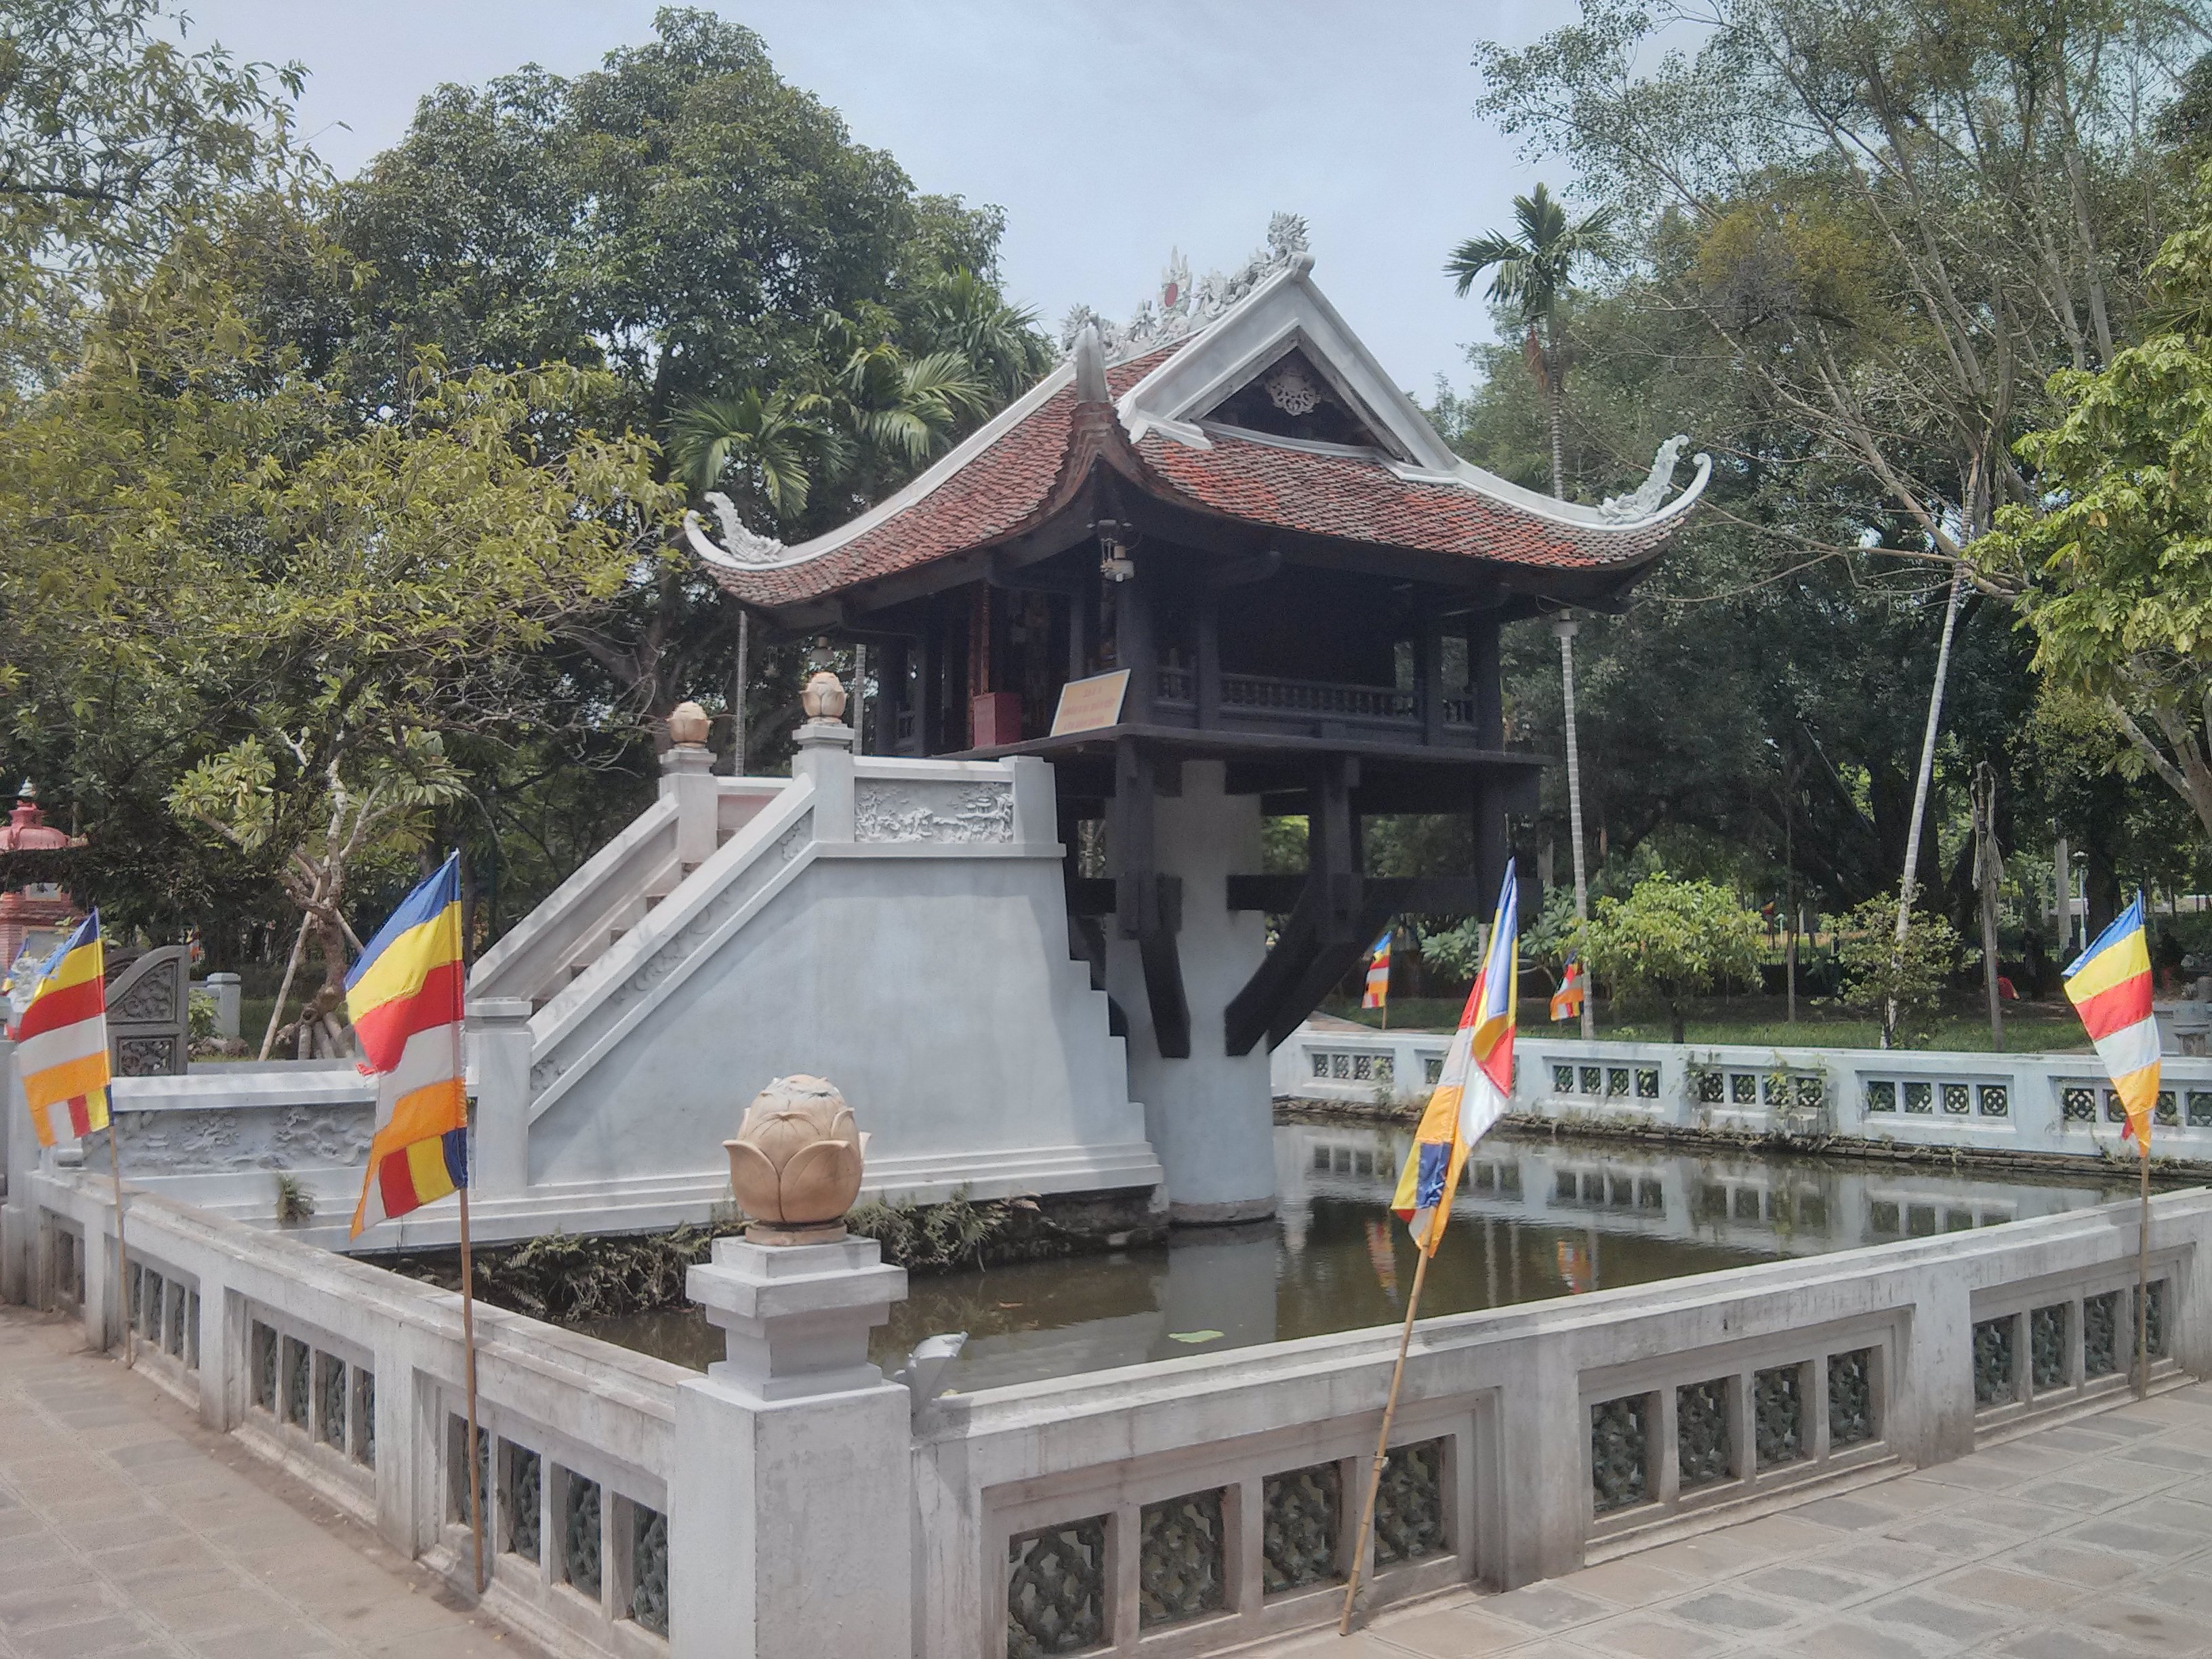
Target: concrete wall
1207 1115
899 926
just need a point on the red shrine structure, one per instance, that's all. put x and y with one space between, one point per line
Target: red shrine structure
1214 567
31 906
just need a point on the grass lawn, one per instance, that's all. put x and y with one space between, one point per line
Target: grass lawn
2030 1027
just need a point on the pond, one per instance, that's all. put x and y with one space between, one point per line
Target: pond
1535 1218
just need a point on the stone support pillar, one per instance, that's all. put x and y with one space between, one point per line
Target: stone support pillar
825 757
1210 1117
687 775
790 1500
227 989
499 1053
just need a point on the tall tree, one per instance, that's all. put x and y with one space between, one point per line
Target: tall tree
1893 221
112 136
1530 276
2113 561
1531 271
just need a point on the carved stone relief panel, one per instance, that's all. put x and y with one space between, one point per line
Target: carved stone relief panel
961 813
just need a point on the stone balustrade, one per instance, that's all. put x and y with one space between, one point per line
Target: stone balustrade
2041 1103
793 1500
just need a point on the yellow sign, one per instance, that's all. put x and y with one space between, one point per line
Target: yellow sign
1091 705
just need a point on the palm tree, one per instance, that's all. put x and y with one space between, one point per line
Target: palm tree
1533 271
771 447
960 312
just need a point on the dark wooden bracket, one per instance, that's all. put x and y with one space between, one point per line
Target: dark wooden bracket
1328 926
1148 908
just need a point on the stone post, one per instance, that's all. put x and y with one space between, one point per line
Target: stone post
791 1499
825 757
499 1049
18 1218
226 989
686 775
791 1494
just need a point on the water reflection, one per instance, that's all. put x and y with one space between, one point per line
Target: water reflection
1536 1219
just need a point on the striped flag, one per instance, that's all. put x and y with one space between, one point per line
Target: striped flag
1377 994
1567 1000
2109 987
1474 1087
403 997
61 1039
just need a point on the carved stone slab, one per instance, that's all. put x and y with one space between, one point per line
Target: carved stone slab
969 813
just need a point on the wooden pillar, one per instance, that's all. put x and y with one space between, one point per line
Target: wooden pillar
1143 909
1079 605
1429 676
1485 680
895 700
1135 648
927 669
1207 615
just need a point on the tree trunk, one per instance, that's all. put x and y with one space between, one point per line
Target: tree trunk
1553 391
1988 870
1676 1023
1566 631
1905 887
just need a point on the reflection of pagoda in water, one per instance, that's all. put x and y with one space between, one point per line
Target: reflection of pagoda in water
32 901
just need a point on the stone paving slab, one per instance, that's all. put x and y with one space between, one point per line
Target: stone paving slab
2092 1540
127 1529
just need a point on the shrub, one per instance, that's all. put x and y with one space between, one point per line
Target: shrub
1900 986
1673 940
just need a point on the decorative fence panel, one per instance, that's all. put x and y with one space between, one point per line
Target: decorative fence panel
2040 1104
1199 1506
351 1378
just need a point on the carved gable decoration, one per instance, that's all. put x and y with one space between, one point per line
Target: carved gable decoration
1292 399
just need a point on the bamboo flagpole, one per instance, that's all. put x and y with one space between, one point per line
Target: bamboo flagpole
1382 1446
469 1290
406 991
2110 986
1474 1088
469 1378
2143 1276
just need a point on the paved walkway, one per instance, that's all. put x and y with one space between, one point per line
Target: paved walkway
2090 1540
126 1527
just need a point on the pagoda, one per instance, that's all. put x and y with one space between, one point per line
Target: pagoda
32 901
1216 567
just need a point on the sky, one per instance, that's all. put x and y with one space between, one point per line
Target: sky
1110 131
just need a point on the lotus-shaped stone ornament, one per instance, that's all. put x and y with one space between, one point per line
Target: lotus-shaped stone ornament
823 696
795 1165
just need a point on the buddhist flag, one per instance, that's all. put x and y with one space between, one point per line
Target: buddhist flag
1567 1000
403 997
1377 994
1474 1087
2109 985
61 1039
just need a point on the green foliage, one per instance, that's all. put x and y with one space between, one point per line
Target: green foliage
957 1233
112 136
1900 986
1674 939
2113 559
294 1203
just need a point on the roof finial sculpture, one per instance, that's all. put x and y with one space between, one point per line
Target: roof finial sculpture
743 549
1645 500
1090 367
1184 306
